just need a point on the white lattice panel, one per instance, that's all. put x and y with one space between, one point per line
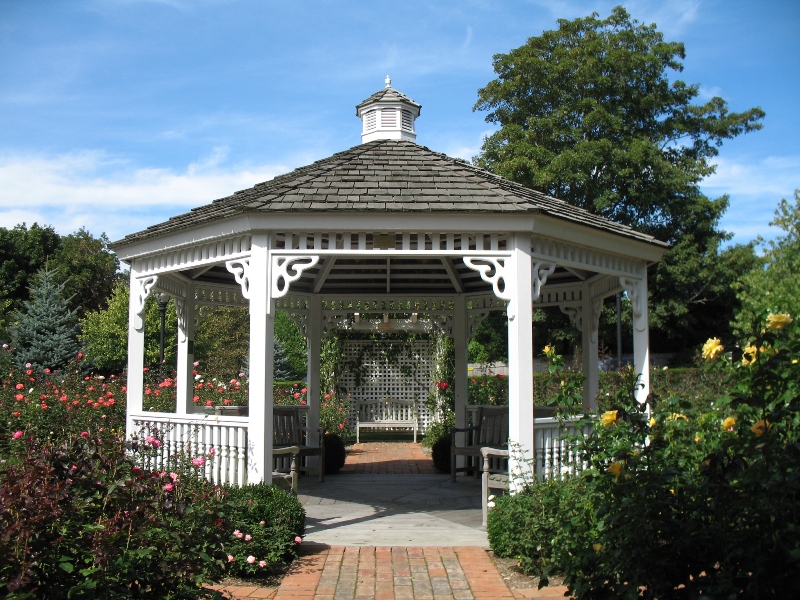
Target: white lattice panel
406 378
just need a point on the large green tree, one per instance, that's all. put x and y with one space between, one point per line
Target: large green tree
23 252
80 261
774 285
587 113
87 268
104 332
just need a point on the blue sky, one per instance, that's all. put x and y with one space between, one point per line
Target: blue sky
117 114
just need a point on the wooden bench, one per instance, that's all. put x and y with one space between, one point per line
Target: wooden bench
489 429
494 477
386 413
280 470
289 430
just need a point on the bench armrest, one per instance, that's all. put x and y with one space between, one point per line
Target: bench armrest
465 429
295 450
486 452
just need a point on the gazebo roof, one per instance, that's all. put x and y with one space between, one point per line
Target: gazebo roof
387 94
387 176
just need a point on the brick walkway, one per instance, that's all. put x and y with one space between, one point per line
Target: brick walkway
398 458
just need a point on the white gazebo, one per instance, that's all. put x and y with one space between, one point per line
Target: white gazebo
386 227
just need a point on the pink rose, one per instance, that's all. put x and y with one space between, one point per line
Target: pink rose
298 539
198 462
251 560
17 435
173 476
230 558
248 537
168 487
262 522
84 434
262 563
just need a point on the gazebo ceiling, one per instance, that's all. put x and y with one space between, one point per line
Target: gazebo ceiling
385 275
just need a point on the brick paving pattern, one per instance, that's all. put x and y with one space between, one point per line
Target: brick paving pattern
384 573
396 458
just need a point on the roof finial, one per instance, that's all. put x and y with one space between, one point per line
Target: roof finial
388 81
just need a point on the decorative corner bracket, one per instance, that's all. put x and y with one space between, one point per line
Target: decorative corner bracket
493 271
144 286
288 269
541 270
241 273
633 287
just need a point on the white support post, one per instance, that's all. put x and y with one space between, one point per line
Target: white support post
314 345
256 280
461 346
520 356
135 379
185 375
641 335
589 347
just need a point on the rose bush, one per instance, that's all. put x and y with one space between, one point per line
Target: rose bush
80 519
682 498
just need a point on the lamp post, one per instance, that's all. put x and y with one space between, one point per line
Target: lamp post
163 299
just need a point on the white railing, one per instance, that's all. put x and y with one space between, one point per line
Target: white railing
221 440
554 455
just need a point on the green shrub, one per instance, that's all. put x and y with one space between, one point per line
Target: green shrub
523 526
80 520
335 453
264 526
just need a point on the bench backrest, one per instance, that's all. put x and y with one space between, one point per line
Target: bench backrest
493 421
386 409
286 424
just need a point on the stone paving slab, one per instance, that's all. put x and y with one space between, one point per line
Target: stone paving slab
393 510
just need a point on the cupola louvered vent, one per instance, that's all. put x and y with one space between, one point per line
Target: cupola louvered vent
408 122
370 120
388 115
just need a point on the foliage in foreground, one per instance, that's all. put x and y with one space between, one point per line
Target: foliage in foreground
79 519
683 501
267 523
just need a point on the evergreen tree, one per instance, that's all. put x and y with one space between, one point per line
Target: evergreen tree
283 370
46 331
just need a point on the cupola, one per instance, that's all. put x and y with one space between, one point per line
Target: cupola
388 115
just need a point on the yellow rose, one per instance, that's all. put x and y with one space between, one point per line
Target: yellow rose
615 468
547 350
712 349
652 422
608 418
760 428
729 423
779 321
749 355
597 547
677 416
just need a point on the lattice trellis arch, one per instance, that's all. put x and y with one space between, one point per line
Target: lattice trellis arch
380 379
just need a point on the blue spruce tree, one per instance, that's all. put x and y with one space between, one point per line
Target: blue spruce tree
45 333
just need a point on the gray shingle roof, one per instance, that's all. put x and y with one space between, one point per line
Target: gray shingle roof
387 94
387 176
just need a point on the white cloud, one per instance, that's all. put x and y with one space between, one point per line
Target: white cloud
106 194
754 187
